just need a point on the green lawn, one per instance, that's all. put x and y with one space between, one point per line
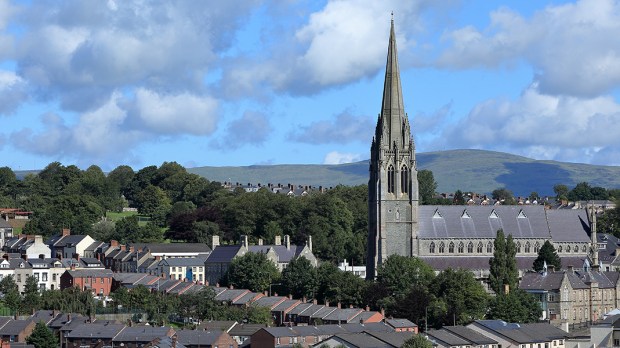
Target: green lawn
114 216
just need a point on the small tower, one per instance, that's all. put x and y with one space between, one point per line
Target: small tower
393 183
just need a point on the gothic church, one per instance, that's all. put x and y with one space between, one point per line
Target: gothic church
450 236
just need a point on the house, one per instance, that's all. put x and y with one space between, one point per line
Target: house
28 246
537 335
280 254
459 337
401 325
367 340
93 335
183 268
6 232
12 330
99 281
67 245
141 336
574 297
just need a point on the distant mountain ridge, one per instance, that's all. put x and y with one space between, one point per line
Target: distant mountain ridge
468 170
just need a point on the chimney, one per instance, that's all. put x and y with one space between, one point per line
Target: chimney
66 232
113 243
215 242
287 241
506 289
383 312
260 241
122 247
351 306
339 305
367 308
76 256
551 268
310 242
38 239
278 240
314 301
131 249
326 303
244 241
571 269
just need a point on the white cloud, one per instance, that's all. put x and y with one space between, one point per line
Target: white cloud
252 128
541 126
571 46
13 91
336 157
343 129
176 114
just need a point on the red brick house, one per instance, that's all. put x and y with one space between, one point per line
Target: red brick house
99 281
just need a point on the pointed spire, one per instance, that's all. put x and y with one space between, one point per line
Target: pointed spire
392 109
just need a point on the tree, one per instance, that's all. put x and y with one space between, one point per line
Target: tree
503 264
561 191
516 307
300 278
547 253
32 297
127 229
399 273
464 297
503 195
417 341
426 186
42 337
253 271
459 199
9 290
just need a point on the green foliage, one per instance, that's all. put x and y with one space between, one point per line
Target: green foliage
299 278
504 195
417 341
399 273
426 186
516 307
464 297
252 271
547 253
345 288
42 337
459 199
32 299
561 191
503 265
11 297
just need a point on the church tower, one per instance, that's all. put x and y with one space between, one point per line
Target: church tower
393 183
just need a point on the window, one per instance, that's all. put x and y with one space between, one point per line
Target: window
431 248
451 248
536 247
36 276
391 179
470 247
404 180
559 248
53 277
44 276
576 248
574 314
19 278
479 249
101 280
489 247
518 247
442 248
461 247
527 247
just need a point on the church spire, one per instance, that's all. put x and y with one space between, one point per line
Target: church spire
393 118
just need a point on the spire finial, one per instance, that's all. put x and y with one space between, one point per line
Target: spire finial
392 16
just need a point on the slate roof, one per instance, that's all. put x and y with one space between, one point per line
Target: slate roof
611 242
81 273
537 281
196 337
162 248
361 340
344 314
473 336
217 325
394 339
223 253
284 305
284 254
230 294
365 315
300 308
270 301
442 262
15 327
245 330
447 337
569 225
70 239
249 297
400 323
142 333
95 330
523 333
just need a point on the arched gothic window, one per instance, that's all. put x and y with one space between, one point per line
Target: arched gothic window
470 247
584 248
404 180
559 248
536 247
461 247
489 247
442 248
479 249
518 247
527 247
576 248
391 179
451 248
431 248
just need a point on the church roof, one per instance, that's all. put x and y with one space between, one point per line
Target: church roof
456 221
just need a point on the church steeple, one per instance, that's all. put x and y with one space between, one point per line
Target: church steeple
393 126
393 184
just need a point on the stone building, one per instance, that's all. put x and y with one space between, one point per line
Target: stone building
450 236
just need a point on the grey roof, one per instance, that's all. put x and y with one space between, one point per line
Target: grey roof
300 308
344 314
537 281
80 273
195 337
45 316
15 327
245 330
286 304
142 333
223 253
284 254
365 315
183 261
230 294
361 340
70 239
246 298
570 225
395 339
64 318
217 325
323 312
400 323
473 336
447 337
269 301
453 221
311 310
95 330
523 333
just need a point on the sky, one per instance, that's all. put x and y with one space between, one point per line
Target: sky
247 82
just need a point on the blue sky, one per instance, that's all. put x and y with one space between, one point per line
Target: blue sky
242 82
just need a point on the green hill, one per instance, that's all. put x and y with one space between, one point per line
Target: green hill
469 170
